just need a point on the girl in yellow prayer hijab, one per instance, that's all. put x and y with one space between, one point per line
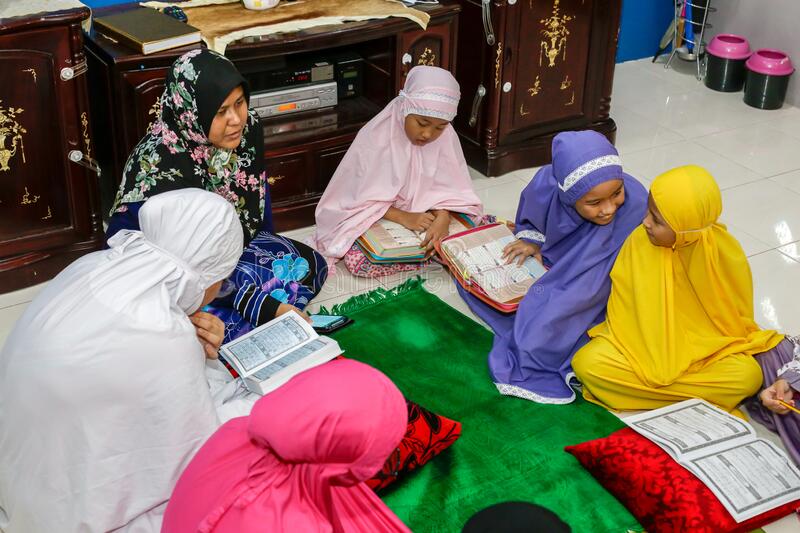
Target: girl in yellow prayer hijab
679 322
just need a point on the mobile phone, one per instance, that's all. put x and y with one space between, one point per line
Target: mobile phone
329 323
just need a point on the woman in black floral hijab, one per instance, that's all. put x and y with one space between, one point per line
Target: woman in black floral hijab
204 136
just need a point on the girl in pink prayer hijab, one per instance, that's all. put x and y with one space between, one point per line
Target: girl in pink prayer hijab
298 462
405 165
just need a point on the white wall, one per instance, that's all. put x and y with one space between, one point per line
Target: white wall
766 24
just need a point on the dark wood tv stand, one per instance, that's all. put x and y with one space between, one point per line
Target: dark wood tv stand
124 86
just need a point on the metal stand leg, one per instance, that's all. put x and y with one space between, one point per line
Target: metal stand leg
698 44
700 47
678 4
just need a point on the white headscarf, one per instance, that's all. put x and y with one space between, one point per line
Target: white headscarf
103 394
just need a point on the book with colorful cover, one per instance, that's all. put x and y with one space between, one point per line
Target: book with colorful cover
390 242
475 257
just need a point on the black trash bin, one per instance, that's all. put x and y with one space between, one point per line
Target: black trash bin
726 55
768 72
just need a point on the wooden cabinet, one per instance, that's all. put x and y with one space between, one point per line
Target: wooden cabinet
328 161
288 176
141 89
433 46
48 204
302 151
535 67
124 88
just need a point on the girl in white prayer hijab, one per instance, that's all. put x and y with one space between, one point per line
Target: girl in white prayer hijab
103 390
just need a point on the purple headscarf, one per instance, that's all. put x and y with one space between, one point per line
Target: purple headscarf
532 353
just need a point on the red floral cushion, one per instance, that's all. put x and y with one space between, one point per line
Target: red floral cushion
661 494
426 436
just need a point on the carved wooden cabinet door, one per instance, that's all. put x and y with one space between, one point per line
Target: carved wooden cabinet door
141 91
546 55
33 192
424 47
287 176
43 196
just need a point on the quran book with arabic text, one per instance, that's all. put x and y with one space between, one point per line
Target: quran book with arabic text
475 257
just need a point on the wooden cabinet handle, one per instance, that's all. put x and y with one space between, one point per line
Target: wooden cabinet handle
406 61
272 180
486 8
476 104
76 156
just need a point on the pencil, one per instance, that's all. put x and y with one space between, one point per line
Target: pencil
788 406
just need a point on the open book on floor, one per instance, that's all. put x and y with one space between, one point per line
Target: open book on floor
273 353
390 242
747 474
475 257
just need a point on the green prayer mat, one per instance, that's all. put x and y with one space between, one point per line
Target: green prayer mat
510 449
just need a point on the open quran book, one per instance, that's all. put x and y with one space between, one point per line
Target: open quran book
273 353
475 257
390 242
749 475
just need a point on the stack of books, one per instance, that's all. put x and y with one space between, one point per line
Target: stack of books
390 242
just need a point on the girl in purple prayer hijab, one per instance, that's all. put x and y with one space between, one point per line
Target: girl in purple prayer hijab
781 369
573 216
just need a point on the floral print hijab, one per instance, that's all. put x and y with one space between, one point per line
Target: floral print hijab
176 153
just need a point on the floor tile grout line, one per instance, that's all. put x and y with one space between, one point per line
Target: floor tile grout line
10 306
749 257
758 240
656 122
787 255
731 160
656 147
761 121
783 174
787 189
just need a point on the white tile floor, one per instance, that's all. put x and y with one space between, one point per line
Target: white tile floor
665 118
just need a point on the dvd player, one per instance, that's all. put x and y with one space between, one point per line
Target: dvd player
294 99
313 122
282 74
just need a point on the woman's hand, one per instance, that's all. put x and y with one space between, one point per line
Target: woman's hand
437 231
519 250
285 308
780 390
210 332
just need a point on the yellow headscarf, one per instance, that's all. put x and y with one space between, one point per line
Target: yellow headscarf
676 310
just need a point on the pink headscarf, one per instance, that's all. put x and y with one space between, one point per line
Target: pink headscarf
298 462
384 169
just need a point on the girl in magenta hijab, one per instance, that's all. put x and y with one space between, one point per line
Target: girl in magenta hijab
405 165
298 462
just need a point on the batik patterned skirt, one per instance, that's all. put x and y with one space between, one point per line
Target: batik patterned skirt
272 270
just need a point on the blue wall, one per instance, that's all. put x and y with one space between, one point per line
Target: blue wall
101 3
643 24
